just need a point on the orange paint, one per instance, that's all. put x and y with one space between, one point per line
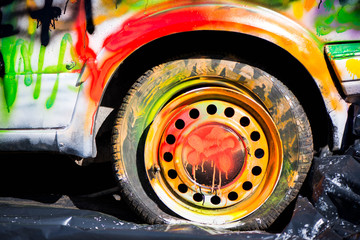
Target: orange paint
100 19
309 4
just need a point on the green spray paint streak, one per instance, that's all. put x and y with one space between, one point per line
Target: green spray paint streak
9 81
11 54
10 90
39 75
11 78
60 66
13 67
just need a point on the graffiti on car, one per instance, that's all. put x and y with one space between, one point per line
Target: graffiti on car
67 65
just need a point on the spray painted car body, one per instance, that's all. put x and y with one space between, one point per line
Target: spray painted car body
59 57
52 86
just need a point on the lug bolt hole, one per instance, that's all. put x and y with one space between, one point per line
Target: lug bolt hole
247 186
215 200
211 109
168 157
229 112
256 171
244 121
179 124
255 136
259 153
170 139
233 196
194 113
198 197
172 174
183 188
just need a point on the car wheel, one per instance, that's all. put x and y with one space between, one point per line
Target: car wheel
211 141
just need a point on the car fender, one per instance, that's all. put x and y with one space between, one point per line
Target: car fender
246 19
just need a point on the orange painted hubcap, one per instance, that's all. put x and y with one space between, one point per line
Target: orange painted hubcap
213 155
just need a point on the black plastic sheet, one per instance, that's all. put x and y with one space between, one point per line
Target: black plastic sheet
327 208
334 182
34 221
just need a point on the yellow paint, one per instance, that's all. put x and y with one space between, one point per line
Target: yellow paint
298 9
32 26
353 67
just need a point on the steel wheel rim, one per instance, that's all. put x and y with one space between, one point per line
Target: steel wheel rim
255 159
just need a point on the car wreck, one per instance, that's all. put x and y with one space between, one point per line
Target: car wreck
213 110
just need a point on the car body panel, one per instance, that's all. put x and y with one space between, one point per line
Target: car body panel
55 68
345 59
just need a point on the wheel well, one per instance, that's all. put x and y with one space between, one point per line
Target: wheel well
247 49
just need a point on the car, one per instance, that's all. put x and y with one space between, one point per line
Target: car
212 110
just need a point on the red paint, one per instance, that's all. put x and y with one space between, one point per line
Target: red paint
87 55
82 45
150 25
142 29
213 144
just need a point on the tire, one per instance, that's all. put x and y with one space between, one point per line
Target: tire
210 141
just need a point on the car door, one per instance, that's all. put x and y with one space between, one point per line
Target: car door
39 66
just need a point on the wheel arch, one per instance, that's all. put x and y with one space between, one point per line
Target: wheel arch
137 63
302 55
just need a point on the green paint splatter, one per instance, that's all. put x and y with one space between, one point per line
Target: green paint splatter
61 67
51 100
39 75
17 58
10 90
341 29
347 16
322 25
22 47
328 4
340 17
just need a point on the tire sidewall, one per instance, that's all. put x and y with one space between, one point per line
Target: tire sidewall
159 85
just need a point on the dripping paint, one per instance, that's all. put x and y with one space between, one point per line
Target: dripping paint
214 156
80 17
46 18
43 42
